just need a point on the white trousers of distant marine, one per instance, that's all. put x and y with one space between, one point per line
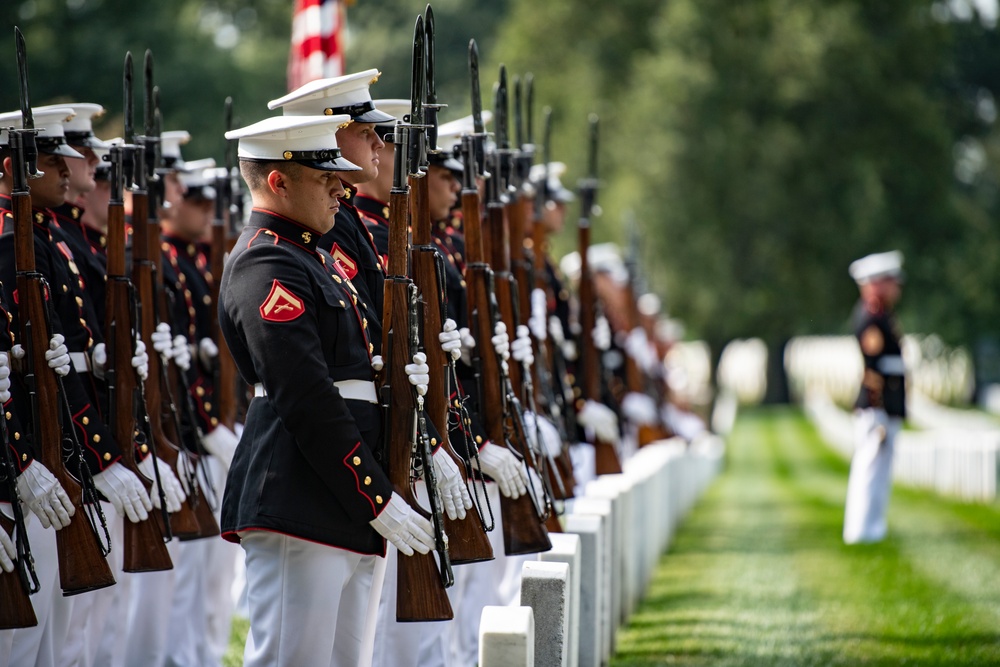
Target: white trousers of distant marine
870 481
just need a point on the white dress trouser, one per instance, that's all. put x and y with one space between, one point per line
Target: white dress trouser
407 644
307 602
870 480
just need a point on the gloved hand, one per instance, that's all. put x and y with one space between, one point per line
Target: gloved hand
551 440
468 344
403 527
140 360
637 347
163 341
602 334
500 464
172 491
451 486
4 378
43 494
451 339
221 443
520 349
538 321
377 363
537 488
419 373
568 347
639 409
124 490
57 355
501 341
601 419
8 553
186 471
207 351
181 353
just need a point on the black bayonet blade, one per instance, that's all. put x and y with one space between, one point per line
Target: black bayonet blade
477 98
529 106
27 120
148 98
129 134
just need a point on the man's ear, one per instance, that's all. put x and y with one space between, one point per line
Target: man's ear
277 182
8 165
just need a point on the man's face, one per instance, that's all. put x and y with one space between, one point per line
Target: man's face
82 170
554 216
442 192
194 217
360 144
314 197
51 189
173 194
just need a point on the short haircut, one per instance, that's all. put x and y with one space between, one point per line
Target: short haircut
255 173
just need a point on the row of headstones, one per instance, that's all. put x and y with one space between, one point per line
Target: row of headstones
576 596
951 459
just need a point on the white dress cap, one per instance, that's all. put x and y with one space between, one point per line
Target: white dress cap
450 133
170 148
397 109
346 94
79 129
198 178
557 191
51 137
309 140
879 265
601 258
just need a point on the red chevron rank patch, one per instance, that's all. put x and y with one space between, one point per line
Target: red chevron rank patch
281 305
350 266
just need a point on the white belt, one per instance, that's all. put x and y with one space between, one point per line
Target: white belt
81 361
355 390
891 365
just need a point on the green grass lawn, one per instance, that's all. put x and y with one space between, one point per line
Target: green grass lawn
758 574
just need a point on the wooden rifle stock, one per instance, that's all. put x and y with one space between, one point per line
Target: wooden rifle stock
17 611
420 594
183 523
605 453
82 566
523 532
468 542
226 376
145 550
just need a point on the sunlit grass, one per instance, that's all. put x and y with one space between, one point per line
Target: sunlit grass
758 575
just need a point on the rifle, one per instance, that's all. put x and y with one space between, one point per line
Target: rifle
145 270
524 532
606 456
81 555
225 368
420 584
15 587
145 550
468 542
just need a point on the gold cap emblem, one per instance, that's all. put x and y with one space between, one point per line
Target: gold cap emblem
287 155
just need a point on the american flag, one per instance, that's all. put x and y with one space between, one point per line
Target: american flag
317 41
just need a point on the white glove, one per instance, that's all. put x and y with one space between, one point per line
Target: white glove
538 321
537 488
163 341
124 490
8 554
451 486
468 344
639 408
185 472
637 347
207 351
451 339
4 378
419 373
43 494
501 341
601 419
181 353
559 336
172 491
377 363
221 443
140 360
551 440
504 468
403 527
602 334
17 352
57 355
520 349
